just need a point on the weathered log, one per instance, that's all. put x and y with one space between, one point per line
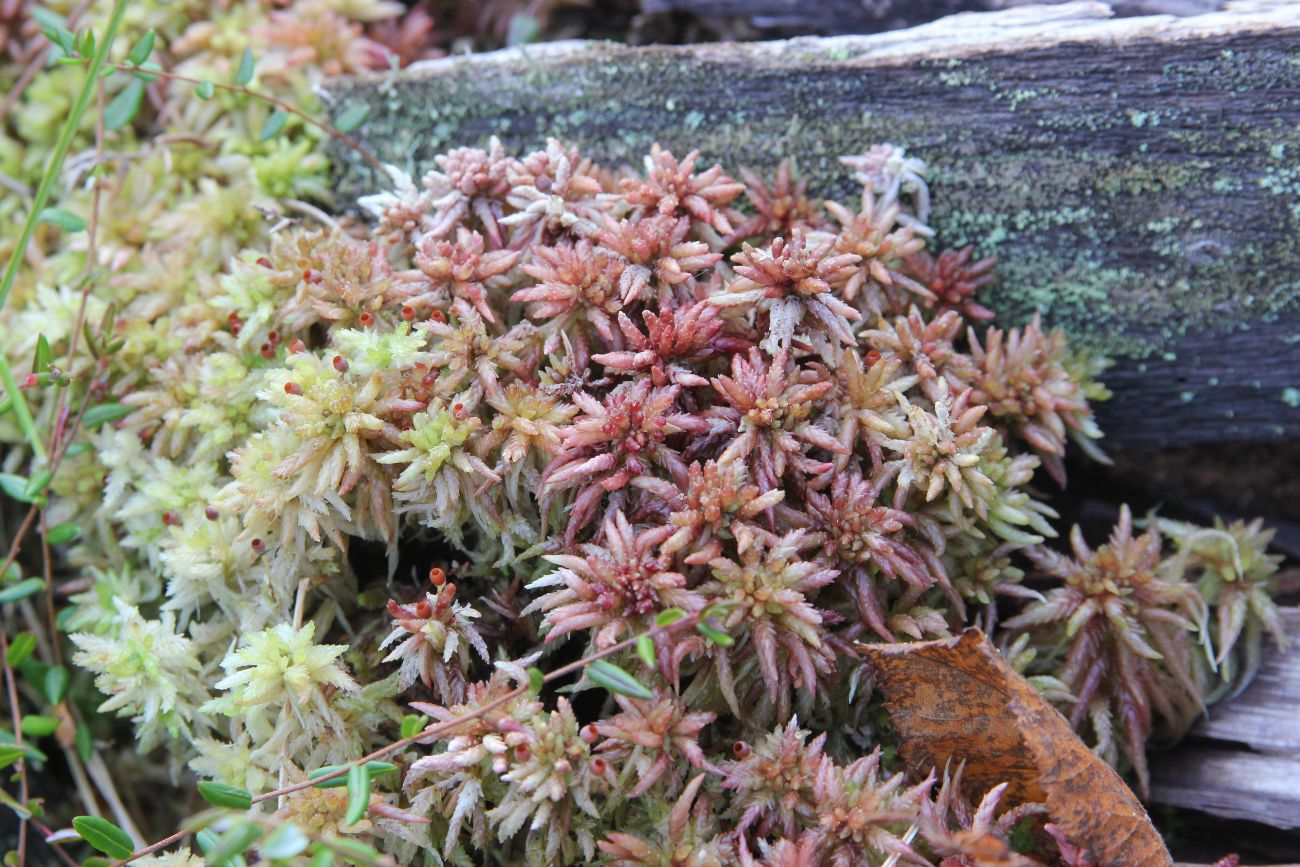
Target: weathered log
1245 762
1136 177
833 17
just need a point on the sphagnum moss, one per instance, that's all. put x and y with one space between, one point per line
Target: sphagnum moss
593 399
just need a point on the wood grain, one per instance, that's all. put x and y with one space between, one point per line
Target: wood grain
829 17
1245 763
1266 716
1136 177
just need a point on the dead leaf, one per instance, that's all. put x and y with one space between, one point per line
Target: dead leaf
956 699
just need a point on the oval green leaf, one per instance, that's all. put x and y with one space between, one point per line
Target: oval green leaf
358 794
22 647
104 836
274 125
63 219
60 534
54 686
669 616
104 412
285 841
37 483
413 724
22 590
645 648
235 842
125 106
84 742
717 636
605 673
14 486
11 753
373 768
142 48
226 796
38 726
356 851
245 72
352 118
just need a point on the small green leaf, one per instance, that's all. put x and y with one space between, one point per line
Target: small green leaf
15 486
273 126
76 449
37 483
104 836
204 90
286 841
717 636
413 724
21 590
352 118
718 609
65 220
38 726
48 19
142 48
207 840
226 796
322 858
358 794
23 645
356 851
645 648
84 742
43 355
10 754
23 811
54 686
605 673
13 573
62 533
373 768
104 412
536 680
245 72
125 106
7 739
146 72
233 843
669 616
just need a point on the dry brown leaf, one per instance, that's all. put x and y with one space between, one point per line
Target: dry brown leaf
956 699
